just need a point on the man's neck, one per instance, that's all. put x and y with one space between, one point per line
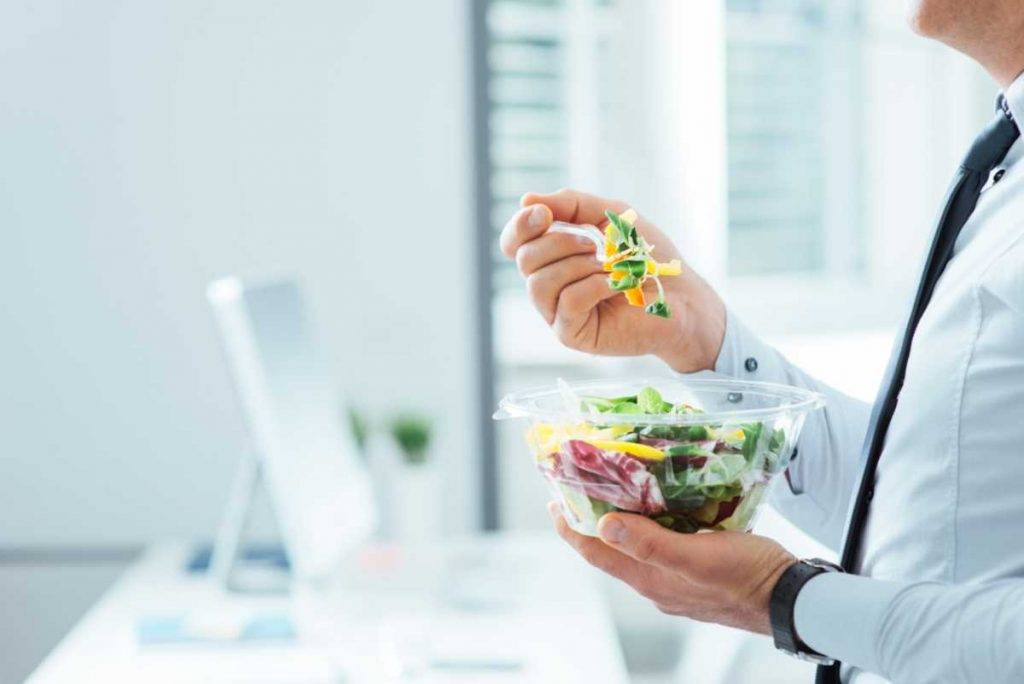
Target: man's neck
1002 59
1005 76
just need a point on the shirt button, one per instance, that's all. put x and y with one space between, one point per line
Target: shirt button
871 494
999 175
750 364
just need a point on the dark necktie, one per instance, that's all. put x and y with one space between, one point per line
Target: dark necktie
985 154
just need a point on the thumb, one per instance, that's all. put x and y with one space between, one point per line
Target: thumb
649 542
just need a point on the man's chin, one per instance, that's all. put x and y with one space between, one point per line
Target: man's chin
929 18
940 19
916 21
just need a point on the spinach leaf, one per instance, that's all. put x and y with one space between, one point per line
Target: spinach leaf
630 238
634 267
627 283
625 229
751 435
682 497
697 433
626 407
726 469
686 450
634 237
658 308
650 401
685 503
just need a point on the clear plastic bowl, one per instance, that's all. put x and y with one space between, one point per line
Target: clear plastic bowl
705 469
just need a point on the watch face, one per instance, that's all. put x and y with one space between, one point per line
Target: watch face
816 659
823 564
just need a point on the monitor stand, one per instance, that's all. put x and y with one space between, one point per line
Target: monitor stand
232 565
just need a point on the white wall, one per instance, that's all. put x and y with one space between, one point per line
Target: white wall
923 105
149 147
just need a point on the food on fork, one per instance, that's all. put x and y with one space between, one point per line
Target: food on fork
629 262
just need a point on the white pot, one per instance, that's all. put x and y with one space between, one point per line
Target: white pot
417 498
385 465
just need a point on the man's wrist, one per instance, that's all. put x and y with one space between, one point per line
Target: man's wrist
701 333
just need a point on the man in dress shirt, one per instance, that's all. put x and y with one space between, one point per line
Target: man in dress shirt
936 587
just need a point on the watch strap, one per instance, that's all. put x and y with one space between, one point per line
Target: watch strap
782 604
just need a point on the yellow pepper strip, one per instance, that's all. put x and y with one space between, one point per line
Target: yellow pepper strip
541 439
733 438
611 247
545 439
631 448
635 297
617 275
672 268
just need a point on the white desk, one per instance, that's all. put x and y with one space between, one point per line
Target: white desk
524 599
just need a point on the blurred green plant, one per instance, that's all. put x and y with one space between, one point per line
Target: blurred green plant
412 432
359 427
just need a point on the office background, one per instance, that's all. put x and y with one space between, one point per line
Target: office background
797 149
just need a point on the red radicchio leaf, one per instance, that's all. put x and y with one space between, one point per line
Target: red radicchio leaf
616 478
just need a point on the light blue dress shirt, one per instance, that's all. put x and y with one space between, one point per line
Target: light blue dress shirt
940 596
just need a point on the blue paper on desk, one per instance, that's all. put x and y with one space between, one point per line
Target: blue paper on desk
213 630
267 556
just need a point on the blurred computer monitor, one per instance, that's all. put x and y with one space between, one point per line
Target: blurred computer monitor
318 484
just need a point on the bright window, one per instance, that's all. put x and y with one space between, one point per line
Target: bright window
535 65
793 171
792 80
796 150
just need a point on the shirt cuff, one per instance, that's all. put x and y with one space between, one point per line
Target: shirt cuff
745 356
841 616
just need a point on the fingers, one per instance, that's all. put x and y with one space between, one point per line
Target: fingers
548 286
550 248
648 542
574 206
525 225
576 302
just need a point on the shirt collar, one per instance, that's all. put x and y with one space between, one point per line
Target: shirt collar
1014 95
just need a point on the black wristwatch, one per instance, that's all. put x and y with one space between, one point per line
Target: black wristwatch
783 600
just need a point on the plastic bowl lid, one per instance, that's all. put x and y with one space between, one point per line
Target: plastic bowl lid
722 400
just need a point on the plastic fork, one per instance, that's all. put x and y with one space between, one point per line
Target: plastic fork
592 233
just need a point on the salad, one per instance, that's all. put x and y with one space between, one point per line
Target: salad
686 477
628 261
